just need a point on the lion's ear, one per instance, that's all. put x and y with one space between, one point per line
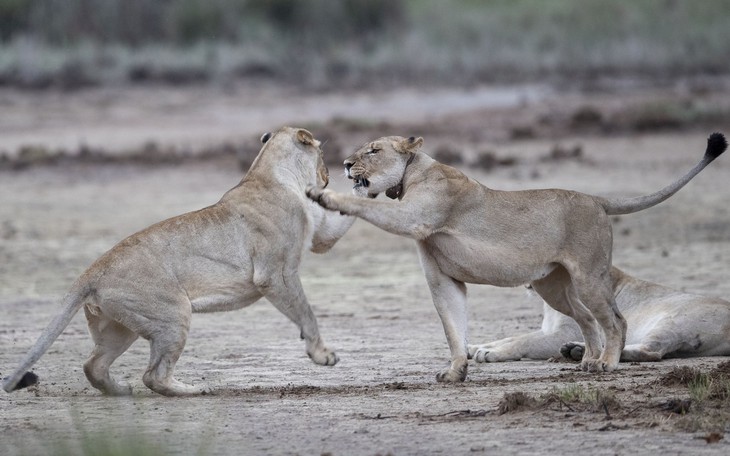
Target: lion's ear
305 137
412 144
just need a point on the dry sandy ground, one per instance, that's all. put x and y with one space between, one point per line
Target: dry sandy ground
373 307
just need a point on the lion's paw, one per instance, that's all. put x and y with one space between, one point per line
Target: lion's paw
173 387
323 197
451 375
480 355
494 353
596 366
120 389
471 350
324 357
314 193
573 350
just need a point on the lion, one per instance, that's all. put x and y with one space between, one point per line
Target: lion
559 241
223 257
661 323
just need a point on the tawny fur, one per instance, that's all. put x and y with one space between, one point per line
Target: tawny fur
661 323
224 257
559 241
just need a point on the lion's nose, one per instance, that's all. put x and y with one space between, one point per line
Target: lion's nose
348 165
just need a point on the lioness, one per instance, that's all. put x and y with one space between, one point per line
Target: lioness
559 241
662 323
224 257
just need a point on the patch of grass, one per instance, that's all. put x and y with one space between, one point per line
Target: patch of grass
679 376
700 387
571 397
709 394
709 387
593 399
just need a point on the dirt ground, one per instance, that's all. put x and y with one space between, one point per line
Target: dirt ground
368 293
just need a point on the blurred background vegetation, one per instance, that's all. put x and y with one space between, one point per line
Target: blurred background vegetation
343 43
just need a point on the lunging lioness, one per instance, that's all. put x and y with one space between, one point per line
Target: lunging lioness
662 323
559 241
224 257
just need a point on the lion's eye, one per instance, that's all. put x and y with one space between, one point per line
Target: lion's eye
373 151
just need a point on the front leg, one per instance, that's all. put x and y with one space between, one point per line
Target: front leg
556 328
533 345
330 227
412 217
449 297
285 292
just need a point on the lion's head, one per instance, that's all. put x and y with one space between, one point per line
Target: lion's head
379 165
308 151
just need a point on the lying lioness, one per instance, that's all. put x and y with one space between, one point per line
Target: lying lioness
559 241
224 257
662 323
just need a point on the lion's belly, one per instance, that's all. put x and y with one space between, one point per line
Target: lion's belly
215 287
484 263
223 300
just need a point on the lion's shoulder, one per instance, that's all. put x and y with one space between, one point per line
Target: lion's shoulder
443 177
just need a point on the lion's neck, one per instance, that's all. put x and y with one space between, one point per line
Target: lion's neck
271 181
398 190
295 174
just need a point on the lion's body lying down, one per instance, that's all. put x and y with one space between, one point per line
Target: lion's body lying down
662 323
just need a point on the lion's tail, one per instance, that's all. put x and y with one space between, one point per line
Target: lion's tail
72 303
716 145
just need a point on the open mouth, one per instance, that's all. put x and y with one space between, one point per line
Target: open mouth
361 182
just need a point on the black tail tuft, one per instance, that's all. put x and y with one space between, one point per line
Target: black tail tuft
716 145
29 379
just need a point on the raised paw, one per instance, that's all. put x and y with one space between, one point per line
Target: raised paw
321 196
573 350
314 193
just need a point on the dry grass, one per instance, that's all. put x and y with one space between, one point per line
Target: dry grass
373 42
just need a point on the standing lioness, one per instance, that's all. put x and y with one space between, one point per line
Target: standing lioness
224 257
559 241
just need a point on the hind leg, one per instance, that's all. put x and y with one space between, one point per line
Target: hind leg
558 291
166 331
635 352
597 295
165 349
111 339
